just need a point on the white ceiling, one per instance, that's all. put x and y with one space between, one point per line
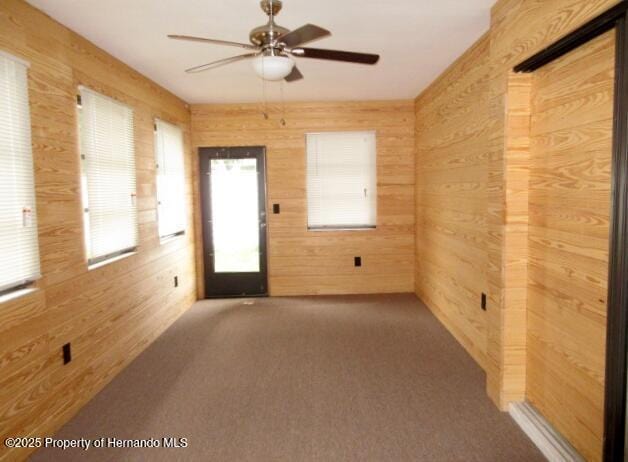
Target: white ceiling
417 40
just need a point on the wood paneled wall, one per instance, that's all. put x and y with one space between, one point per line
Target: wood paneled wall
570 183
452 128
524 319
481 224
303 262
519 29
109 314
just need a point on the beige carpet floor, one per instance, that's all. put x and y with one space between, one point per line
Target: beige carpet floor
352 378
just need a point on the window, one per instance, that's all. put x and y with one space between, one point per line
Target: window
108 176
341 180
19 251
170 179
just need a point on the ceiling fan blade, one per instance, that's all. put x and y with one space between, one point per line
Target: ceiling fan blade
303 34
335 55
220 62
215 42
294 75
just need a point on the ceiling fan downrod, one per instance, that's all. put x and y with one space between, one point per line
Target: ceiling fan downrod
264 36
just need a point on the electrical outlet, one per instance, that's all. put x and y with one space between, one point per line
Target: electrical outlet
357 261
176 281
67 353
483 302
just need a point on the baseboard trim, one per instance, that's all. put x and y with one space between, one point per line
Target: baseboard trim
550 442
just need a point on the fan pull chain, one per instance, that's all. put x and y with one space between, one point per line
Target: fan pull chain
264 100
283 106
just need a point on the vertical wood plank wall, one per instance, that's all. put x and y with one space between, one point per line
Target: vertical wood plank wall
452 128
570 182
109 314
303 262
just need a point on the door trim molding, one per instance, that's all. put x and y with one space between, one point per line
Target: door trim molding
585 33
617 319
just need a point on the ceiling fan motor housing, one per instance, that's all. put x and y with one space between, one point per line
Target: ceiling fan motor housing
263 36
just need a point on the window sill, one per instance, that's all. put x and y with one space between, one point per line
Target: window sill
100 264
170 238
364 228
17 294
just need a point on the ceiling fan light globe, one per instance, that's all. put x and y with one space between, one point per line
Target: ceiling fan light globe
272 67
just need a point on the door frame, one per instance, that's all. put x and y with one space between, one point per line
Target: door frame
205 154
617 319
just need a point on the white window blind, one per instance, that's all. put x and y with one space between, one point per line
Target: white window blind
170 179
19 252
341 180
108 169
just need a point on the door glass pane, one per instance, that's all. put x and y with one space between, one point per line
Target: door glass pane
235 215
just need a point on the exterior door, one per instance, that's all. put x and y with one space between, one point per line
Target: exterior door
233 200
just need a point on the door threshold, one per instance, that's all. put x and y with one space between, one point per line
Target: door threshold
550 442
214 297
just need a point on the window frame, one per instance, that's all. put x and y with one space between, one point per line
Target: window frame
171 236
332 228
111 257
23 283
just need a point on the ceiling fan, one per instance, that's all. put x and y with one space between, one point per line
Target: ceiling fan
272 46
